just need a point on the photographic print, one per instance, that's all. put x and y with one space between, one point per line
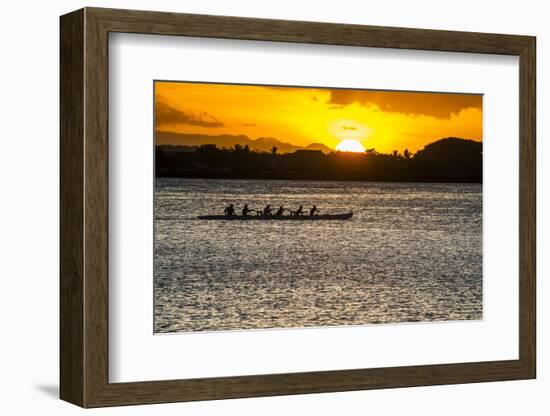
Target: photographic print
300 206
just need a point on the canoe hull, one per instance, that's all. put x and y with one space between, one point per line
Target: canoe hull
345 216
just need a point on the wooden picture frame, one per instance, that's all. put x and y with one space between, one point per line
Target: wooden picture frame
84 207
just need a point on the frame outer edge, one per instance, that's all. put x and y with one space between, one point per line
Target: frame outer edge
527 266
96 209
342 34
71 291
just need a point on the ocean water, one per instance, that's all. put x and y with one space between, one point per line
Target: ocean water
411 253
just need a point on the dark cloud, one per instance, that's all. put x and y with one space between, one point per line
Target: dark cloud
249 124
166 114
429 104
349 128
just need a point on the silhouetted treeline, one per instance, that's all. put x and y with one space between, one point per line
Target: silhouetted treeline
446 160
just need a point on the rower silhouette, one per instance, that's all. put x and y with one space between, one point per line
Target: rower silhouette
246 210
267 211
230 210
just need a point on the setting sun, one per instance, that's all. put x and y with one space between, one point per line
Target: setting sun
350 145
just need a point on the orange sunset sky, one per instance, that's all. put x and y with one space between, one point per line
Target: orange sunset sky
383 120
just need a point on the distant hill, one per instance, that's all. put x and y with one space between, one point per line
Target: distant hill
451 149
451 157
263 144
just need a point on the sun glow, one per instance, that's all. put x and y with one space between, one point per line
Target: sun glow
350 145
187 113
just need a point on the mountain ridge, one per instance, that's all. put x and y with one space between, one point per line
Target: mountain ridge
264 144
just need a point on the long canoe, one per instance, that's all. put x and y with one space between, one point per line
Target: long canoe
345 216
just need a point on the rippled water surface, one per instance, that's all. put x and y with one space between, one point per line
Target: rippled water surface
411 252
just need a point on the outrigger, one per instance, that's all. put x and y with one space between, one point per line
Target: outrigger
262 217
